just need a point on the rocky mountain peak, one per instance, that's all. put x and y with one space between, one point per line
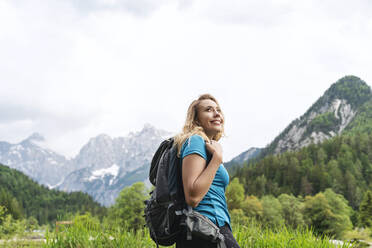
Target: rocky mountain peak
333 113
327 117
105 165
32 158
351 89
149 131
34 137
100 139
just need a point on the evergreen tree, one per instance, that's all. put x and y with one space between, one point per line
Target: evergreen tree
10 204
365 210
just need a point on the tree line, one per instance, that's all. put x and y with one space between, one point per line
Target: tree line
21 198
326 212
343 164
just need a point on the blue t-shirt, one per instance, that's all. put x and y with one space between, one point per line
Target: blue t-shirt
213 205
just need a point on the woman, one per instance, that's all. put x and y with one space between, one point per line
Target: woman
203 175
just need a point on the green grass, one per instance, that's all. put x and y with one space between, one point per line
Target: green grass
87 232
255 235
250 234
79 236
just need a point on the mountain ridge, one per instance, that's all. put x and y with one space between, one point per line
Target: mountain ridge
110 164
103 166
329 116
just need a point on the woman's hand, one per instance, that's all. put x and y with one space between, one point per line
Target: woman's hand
215 149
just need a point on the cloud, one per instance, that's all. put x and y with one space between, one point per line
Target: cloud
258 13
17 112
141 8
73 69
41 118
272 13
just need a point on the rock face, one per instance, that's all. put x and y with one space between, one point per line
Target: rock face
41 164
301 134
103 167
330 115
106 165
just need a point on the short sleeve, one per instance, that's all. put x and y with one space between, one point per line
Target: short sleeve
194 145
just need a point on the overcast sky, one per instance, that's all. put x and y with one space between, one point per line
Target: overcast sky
74 69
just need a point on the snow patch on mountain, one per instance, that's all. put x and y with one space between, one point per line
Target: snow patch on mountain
101 173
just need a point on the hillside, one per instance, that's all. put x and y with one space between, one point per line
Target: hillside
330 146
40 202
343 163
347 104
329 116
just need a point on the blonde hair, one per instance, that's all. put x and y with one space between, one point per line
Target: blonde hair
192 127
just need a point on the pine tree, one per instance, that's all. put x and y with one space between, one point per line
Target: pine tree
365 210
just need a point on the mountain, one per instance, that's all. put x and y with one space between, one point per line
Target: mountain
103 167
326 118
336 111
110 164
46 205
242 158
41 164
327 147
249 154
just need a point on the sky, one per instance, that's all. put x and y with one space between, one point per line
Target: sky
74 69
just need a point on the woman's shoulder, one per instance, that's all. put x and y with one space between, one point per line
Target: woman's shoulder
194 144
197 137
194 139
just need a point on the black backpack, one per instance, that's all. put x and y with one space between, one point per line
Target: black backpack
164 210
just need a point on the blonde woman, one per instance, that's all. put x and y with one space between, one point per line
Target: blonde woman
203 175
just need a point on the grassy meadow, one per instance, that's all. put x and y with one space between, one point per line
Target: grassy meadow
251 234
86 232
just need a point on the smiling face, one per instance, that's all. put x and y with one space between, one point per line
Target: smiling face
209 117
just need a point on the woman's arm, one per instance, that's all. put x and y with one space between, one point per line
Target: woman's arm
196 176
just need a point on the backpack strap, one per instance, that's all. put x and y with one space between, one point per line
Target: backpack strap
189 234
